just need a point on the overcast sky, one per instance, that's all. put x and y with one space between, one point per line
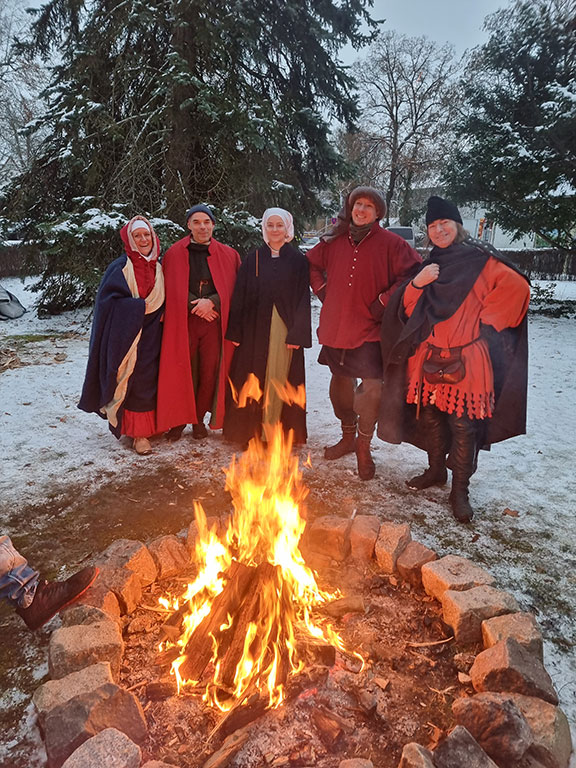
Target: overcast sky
455 21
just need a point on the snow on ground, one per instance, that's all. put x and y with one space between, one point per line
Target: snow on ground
49 444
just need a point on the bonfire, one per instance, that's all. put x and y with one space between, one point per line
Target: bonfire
247 623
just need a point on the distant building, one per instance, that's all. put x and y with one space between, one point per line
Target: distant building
476 222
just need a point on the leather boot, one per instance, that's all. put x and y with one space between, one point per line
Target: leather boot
142 446
437 441
366 466
347 443
51 596
461 508
175 433
462 461
199 431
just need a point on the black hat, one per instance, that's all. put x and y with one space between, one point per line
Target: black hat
438 208
372 194
200 208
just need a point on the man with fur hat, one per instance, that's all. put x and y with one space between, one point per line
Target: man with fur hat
199 274
454 346
354 270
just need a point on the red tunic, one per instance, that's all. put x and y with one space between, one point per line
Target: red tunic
176 401
498 298
355 276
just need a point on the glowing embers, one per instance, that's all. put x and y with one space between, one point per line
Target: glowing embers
247 619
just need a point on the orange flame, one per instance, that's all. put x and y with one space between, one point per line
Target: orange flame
265 528
291 394
250 390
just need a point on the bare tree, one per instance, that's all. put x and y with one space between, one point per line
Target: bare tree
408 102
21 80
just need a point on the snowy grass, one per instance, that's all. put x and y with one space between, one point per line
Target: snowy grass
48 444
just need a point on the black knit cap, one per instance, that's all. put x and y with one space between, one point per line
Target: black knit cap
200 208
372 194
438 208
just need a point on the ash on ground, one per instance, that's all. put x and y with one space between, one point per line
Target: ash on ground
332 711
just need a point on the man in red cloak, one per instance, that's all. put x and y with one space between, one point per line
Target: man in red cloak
199 275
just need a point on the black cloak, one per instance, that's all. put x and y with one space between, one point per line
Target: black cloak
263 283
400 336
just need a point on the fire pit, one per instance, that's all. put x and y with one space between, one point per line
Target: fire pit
249 612
256 647
244 656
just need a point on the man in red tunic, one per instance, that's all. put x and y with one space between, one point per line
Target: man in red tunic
199 275
354 270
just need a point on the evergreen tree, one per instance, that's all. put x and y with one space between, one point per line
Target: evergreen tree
516 148
157 105
169 102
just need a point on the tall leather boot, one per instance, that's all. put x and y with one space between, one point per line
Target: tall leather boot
346 444
462 461
437 442
366 466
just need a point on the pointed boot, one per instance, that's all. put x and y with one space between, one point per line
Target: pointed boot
462 462
461 508
428 478
437 441
345 445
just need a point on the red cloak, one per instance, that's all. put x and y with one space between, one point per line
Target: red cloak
176 400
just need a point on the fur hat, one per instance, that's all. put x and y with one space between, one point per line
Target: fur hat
200 208
372 194
438 208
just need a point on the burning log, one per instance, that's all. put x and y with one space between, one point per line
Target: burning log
230 747
199 648
244 713
250 612
171 629
349 604
167 657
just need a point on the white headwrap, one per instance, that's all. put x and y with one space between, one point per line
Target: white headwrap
286 218
139 222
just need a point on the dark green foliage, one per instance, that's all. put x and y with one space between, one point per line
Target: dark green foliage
76 249
516 151
155 106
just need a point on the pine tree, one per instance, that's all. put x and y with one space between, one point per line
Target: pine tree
155 106
516 148
166 103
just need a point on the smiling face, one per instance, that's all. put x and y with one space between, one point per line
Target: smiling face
143 239
363 212
201 226
275 232
442 232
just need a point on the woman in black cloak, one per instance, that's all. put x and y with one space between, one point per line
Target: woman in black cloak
269 324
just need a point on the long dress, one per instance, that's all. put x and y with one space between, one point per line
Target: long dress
270 309
122 372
